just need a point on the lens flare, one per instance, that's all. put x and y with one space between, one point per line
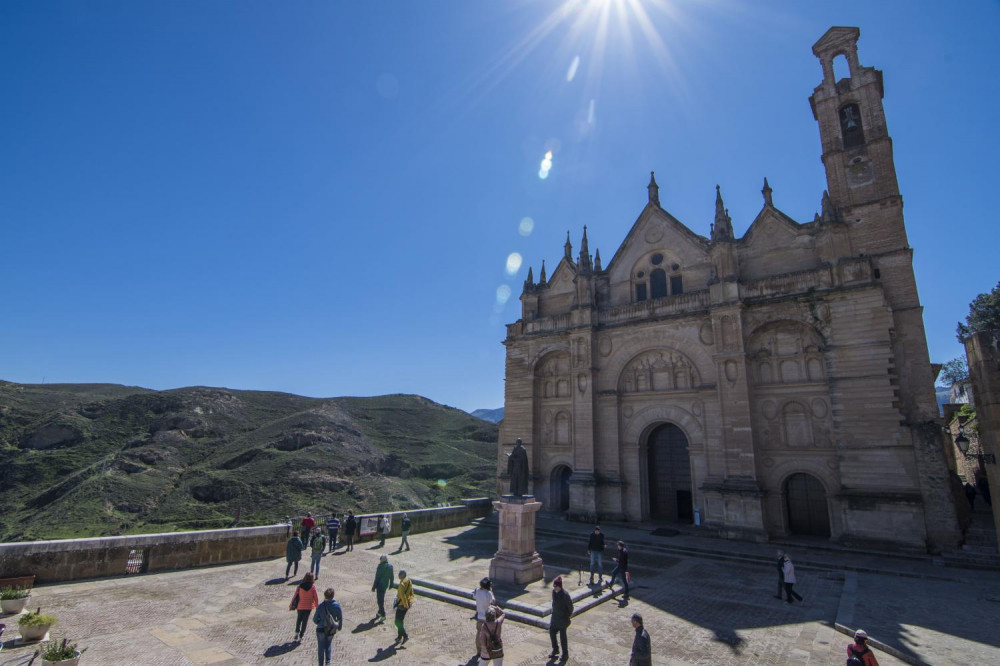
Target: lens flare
546 166
513 264
571 73
442 483
503 294
526 227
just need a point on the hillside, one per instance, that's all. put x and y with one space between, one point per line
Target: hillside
98 459
491 415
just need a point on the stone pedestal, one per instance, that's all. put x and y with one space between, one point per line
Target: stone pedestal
517 561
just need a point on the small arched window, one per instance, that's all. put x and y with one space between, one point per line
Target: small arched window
850 126
658 283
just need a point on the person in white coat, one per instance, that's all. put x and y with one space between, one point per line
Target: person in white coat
789 570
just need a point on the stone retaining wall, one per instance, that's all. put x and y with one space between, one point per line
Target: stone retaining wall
74 559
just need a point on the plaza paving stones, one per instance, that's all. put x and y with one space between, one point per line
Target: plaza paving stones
716 610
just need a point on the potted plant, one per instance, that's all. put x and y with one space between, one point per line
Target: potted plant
33 625
60 652
13 599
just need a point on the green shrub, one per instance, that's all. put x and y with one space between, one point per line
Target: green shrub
36 618
58 650
8 593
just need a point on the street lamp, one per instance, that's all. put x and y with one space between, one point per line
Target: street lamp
962 442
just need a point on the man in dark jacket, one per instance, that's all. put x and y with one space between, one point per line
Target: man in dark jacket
642 654
293 553
383 581
562 611
621 569
595 548
350 527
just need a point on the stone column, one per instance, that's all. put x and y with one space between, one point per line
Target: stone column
983 351
517 561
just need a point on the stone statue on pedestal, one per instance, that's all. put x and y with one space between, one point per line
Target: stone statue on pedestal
517 468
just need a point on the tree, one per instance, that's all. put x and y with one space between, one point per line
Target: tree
955 371
984 315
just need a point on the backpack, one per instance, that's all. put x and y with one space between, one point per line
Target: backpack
494 646
855 658
327 623
318 540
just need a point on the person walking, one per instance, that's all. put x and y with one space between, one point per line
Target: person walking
490 638
304 601
404 599
293 553
858 653
595 548
333 529
306 527
562 611
405 527
318 545
380 531
970 495
383 581
350 527
386 527
621 569
483 596
788 569
642 654
329 619
781 574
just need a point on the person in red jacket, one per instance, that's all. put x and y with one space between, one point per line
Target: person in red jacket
305 600
859 650
305 528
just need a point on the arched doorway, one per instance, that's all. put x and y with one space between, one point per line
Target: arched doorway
559 488
669 469
807 510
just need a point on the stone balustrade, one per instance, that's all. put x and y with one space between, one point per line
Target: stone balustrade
75 559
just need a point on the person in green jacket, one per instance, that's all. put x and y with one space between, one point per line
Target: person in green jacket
383 581
293 553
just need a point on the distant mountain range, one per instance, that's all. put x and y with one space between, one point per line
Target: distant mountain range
491 415
98 459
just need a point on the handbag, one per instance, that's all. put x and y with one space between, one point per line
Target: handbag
295 601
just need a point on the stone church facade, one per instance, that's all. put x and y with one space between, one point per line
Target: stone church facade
768 385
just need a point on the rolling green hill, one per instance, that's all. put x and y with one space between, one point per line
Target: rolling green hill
100 459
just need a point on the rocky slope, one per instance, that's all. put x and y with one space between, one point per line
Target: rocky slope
98 459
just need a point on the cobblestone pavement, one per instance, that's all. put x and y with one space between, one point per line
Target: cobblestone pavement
698 611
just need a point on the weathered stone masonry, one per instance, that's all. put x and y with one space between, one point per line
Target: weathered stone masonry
775 383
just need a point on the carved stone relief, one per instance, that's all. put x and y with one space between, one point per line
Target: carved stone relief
659 370
605 347
786 354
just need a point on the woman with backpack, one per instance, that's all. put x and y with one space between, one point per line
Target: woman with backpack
304 601
490 641
329 619
858 653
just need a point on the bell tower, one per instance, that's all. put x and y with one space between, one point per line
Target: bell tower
857 149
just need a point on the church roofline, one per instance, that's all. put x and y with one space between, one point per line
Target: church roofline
649 210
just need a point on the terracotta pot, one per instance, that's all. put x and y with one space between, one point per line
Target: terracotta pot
72 661
18 581
14 605
35 633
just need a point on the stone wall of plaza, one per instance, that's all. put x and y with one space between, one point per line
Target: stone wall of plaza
773 384
75 559
983 353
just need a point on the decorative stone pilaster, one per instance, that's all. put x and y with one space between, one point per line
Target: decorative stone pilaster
517 561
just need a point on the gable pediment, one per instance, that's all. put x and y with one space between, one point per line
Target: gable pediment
562 277
656 229
771 226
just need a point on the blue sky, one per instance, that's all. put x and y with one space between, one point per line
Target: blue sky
321 197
